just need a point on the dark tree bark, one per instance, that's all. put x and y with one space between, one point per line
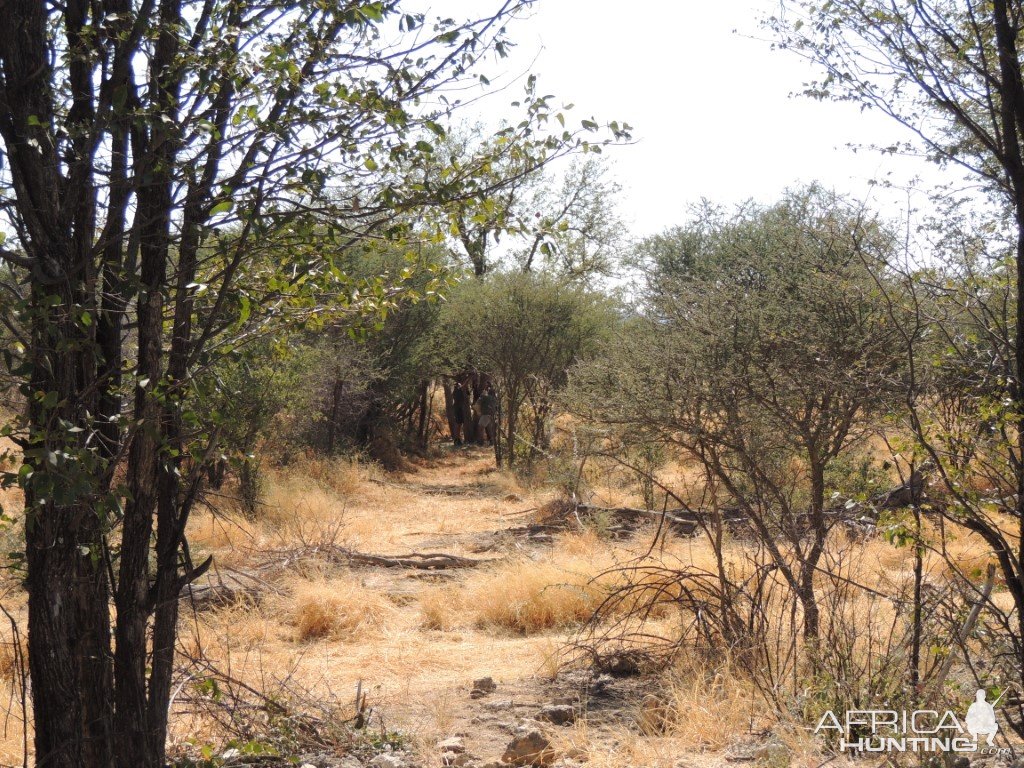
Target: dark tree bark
961 63
146 164
424 422
337 391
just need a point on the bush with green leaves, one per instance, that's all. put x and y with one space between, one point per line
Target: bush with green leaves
764 349
526 330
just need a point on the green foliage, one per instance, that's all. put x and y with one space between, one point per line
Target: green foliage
566 223
187 181
764 349
768 322
526 330
856 474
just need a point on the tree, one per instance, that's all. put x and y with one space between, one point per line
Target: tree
526 330
568 221
950 71
764 347
155 151
571 227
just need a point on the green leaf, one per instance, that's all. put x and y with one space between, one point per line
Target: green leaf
245 310
222 207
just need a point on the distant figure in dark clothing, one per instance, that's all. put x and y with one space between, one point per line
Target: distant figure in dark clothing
488 411
459 401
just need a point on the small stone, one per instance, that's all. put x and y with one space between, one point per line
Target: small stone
457 760
387 761
529 748
500 704
482 687
453 744
557 714
231 754
307 765
773 755
962 762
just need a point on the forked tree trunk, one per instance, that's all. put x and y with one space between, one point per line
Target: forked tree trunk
68 589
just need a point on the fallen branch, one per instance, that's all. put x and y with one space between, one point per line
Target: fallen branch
423 561
427 561
224 588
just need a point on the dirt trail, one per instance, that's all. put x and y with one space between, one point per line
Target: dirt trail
414 641
418 679
469 508
462 502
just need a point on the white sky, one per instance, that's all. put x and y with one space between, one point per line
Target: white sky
708 99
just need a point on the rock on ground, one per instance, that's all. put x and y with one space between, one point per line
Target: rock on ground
453 744
482 687
529 748
557 714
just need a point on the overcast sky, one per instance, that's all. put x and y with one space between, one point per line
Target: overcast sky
709 100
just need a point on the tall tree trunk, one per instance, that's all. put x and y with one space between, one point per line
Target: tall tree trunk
809 567
449 408
1012 119
68 590
332 424
915 638
424 414
510 437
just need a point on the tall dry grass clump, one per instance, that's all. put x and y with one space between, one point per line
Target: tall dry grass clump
443 609
526 596
342 475
565 586
336 609
702 706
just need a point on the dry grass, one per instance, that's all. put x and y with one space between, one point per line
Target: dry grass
416 643
563 586
527 597
442 608
345 476
339 609
11 653
700 707
557 590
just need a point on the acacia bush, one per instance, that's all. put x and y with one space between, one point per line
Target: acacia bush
526 330
764 354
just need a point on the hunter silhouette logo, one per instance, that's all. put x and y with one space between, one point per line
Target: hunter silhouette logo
920 730
981 718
